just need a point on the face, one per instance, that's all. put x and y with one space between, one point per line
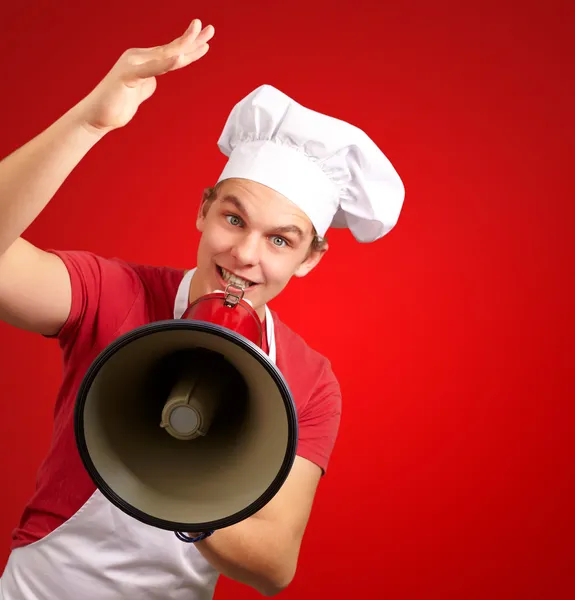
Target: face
253 236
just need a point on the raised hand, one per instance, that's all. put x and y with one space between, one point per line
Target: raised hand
132 80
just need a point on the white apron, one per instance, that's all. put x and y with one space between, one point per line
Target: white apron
101 553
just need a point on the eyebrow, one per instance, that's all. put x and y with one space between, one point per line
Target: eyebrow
230 198
236 202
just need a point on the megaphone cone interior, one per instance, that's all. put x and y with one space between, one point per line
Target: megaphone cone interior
186 425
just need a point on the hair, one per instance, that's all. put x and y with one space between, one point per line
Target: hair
318 243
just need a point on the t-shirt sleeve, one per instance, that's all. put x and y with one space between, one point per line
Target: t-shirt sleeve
103 293
320 419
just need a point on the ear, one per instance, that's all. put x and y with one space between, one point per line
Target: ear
311 261
201 218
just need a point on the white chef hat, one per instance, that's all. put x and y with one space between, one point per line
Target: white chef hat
330 169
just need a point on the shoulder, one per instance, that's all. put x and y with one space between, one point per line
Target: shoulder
92 270
316 392
293 351
106 291
309 374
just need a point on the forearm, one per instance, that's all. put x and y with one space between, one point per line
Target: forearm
31 175
253 552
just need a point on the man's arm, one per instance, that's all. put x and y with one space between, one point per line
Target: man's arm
262 551
35 292
34 285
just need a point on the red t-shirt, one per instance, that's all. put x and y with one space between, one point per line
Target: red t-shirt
109 298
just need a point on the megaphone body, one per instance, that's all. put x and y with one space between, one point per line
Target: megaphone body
186 424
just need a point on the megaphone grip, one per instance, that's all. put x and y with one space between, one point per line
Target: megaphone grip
192 540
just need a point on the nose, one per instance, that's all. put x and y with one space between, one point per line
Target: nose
246 250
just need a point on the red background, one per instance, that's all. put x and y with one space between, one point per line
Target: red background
452 338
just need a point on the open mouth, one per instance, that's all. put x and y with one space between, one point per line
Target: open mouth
230 278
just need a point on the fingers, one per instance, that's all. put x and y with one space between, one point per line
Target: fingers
152 62
151 68
189 36
194 36
206 34
187 59
194 26
195 32
160 66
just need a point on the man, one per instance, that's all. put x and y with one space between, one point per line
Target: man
291 174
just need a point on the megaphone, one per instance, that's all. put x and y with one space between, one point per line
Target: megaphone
186 424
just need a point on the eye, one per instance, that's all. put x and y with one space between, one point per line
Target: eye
234 220
279 241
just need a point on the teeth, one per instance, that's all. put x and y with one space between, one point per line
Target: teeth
234 279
